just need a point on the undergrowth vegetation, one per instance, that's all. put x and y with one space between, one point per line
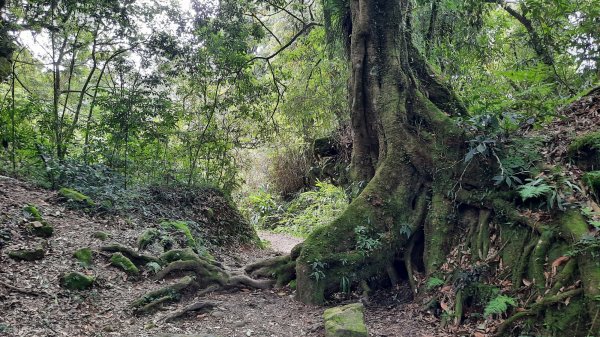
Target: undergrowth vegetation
300 216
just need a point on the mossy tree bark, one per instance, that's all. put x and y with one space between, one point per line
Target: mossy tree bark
411 153
405 146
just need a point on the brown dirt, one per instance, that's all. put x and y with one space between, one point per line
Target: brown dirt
279 242
33 304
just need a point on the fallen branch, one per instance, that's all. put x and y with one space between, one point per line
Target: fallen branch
20 290
198 306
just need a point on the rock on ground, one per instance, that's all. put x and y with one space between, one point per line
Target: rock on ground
345 321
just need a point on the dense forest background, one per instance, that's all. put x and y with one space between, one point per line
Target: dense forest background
259 99
142 92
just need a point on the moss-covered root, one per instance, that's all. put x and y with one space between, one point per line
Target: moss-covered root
536 308
135 257
575 226
122 262
282 268
538 259
208 275
201 306
173 255
172 292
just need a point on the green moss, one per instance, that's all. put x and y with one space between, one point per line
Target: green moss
592 180
568 320
588 141
292 284
102 236
76 281
183 227
84 256
27 254
147 238
345 321
33 212
71 194
186 254
122 262
41 229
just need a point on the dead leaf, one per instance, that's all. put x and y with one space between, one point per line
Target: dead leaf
526 282
558 262
444 306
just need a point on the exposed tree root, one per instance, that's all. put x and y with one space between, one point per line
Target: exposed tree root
207 276
171 292
201 306
130 253
536 308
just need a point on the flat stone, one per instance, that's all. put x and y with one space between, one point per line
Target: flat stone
345 321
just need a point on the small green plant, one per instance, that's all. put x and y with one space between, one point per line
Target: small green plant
592 217
434 282
499 305
345 284
534 188
405 230
312 209
318 270
364 242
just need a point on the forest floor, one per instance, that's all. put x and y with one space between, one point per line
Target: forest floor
33 304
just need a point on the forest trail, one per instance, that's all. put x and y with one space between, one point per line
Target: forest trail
33 304
281 243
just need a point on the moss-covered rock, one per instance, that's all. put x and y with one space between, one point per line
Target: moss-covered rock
38 227
27 254
84 256
76 281
345 321
75 196
122 262
148 237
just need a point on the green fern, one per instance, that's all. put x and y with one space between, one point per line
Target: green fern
434 282
499 305
534 189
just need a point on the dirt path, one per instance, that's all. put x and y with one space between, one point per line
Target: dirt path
104 310
281 243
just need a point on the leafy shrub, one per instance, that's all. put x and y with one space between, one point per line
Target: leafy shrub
312 209
262 209
288 170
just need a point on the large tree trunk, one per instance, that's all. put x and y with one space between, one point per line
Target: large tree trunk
411 153
405 146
